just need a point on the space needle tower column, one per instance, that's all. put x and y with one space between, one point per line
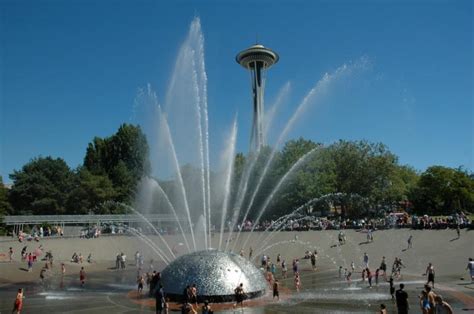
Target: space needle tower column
257 59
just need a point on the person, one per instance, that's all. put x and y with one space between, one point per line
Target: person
383 267
43 274
239 295
123 259
458 230
23 253
340 271
273 269
30 262
80 258
166 306
377 272
470 267
313 261
193 294
117 261
137 258
159 300
425 303
431 296
18 304
397 267
353 266
284 269
295 266
410 244
206 308
63 269
50 258
187 294
366 260
278 258
392 287
297 282
82 276
431 274
369 277
402 300
140 282
187 308
348 276
341 238
383 309
276 292
442 307
10 254
89 258
153 283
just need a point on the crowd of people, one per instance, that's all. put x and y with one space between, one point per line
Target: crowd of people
38 232
390 220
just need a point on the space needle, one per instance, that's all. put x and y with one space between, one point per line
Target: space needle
257 59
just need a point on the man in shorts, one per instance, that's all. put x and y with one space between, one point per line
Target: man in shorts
431 274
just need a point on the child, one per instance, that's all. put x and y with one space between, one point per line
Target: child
297 282
18 305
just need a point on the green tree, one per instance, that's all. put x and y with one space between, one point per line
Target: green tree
5 206
90 191
442 190
365 176
306 182
41 187
123 157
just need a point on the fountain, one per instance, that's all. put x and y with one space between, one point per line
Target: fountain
178 135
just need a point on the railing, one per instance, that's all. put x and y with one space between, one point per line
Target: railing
79 219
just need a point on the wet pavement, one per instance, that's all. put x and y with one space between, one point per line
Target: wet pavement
322 292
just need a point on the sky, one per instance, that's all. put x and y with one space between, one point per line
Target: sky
70 70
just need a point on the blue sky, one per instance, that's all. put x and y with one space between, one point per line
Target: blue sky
70 71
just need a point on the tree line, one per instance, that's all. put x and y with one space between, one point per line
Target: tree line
352 178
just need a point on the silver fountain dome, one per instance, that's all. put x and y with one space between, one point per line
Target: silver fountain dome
216 275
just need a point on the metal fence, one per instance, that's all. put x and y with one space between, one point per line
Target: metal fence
83 219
